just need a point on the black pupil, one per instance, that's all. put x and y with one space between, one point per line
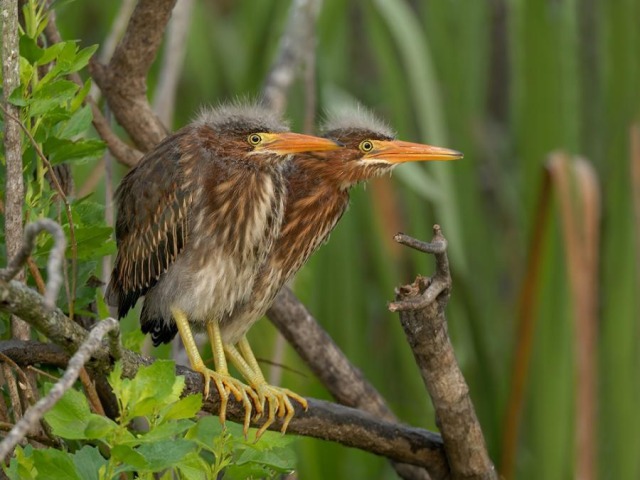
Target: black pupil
367 146
255 138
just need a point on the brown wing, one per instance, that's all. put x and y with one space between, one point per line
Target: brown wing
152 224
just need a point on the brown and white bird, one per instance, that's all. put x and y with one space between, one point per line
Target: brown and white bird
196 219
317 195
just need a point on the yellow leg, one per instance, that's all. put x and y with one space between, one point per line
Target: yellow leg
244 391
221 378
277 398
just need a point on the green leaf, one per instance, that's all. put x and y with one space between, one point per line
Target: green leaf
130 457
100 427
54 464
29 49
50 53
69 417
165 431
48 95
280 459
79 123
166 453
205 431
193 467
82 58
88 462
157 384
17 97
62 150
186 407
79 98
21 465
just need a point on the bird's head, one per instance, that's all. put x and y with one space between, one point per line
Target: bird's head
249 131
370 148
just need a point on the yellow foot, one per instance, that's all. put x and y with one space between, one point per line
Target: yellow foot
226 384
278 402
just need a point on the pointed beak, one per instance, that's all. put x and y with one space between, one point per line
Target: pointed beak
288 142
397 151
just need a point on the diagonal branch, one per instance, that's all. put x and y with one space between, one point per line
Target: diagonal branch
345 382
124 81
421 307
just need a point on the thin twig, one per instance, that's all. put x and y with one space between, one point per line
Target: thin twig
426 329
54 264
35 413
12 385
67 207
90 390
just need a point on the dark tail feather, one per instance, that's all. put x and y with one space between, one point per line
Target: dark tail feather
160 330
115 297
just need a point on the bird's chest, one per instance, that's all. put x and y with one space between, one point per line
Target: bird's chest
233 232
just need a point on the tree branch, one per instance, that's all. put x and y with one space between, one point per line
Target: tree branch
295 43
54 264
14 186
345 381
35 413
421 307
124 81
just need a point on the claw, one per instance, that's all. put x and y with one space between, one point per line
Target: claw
279 403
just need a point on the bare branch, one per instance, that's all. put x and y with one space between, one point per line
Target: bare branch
426 330
124 81
296 40
54 264
35 413
344 381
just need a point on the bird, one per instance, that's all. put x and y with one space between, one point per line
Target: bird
196 218
317 195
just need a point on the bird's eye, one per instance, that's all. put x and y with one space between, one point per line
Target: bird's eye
254 139
366 146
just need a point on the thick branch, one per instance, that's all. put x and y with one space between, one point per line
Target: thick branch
124 81
324 420
345 381
426 330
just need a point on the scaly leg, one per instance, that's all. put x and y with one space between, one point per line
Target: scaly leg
213 329
223 381
277 398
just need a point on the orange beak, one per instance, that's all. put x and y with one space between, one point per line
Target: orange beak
397 151
288 142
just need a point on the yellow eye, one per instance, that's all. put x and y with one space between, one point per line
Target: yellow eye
366 146
254 139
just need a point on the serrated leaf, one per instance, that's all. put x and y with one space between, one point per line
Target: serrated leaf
68 418
280 459
205 431
21 465
156 382
79 123
186 407
62 150
17 98
54 464
88 462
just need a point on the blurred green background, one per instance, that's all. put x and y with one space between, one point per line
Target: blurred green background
506 82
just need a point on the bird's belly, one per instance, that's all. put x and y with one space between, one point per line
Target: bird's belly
203 289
